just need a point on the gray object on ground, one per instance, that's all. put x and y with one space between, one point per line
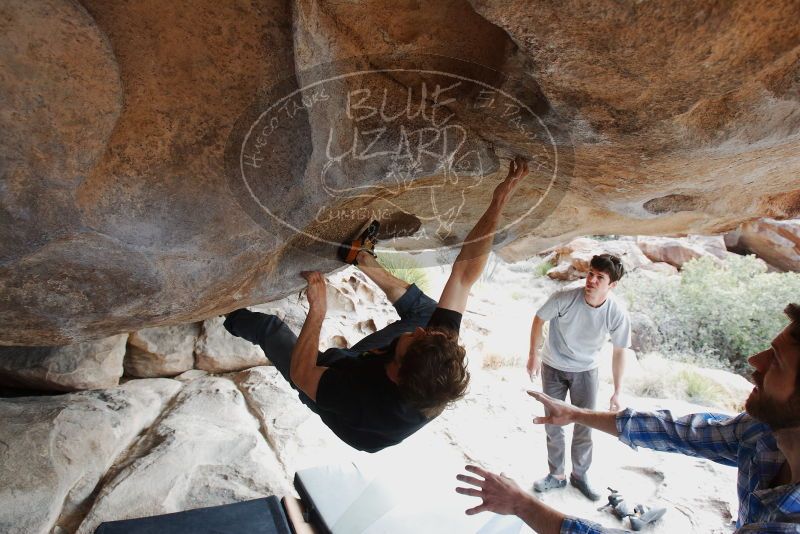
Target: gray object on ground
649 516
640 515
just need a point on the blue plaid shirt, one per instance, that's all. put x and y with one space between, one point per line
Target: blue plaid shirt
739 441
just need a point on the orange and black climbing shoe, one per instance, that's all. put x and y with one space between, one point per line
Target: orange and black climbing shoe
364 239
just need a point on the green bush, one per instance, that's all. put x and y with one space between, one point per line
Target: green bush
724 312
540 269
406 268
609 237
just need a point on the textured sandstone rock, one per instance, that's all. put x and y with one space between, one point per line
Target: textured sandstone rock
356 308
677 251
191 374
122 116
161 351
87 365
121 207
658 94
776 242
217 351
297 434
572 260
206 450
62 96
56 449
564 272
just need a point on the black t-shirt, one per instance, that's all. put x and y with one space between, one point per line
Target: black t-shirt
361 405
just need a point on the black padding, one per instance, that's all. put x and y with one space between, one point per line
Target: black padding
259 516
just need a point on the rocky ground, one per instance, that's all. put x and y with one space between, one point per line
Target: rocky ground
162 445
158 445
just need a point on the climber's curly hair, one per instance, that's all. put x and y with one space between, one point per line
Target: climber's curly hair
433 372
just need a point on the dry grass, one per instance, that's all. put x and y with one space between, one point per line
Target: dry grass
495 361
667 379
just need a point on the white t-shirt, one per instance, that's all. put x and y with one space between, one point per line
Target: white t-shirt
579 331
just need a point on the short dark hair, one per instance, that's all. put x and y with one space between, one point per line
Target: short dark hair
609 264
792 311
433 372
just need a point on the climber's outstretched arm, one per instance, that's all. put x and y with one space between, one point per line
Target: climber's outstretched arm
304 371
474 253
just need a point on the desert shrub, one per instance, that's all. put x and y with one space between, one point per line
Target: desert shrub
406 268
494 360
699 389
723 312
540 269
665 379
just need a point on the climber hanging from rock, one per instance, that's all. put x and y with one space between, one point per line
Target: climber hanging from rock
394 381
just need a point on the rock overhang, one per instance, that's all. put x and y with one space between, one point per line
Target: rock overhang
670 118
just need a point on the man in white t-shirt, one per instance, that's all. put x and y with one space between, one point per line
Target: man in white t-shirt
581 320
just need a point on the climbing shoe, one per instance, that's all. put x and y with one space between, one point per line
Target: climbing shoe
364 239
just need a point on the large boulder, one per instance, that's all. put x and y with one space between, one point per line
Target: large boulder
55 450
62 97
217 351
115 129
205 451
146 184
297 434
87 365
677 251
776 242
161 351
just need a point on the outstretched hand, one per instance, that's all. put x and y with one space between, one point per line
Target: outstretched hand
499 493
517 170
558 412
316 293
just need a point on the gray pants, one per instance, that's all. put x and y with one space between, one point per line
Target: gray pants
582 389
